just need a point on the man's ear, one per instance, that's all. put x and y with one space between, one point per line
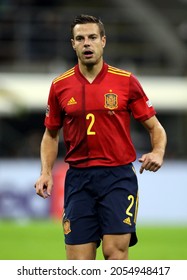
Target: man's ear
73 44
103 41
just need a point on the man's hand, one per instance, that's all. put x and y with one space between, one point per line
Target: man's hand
44 185
151 161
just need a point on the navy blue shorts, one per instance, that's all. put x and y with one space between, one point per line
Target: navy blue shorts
99 201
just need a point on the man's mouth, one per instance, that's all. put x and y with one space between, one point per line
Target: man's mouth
88 54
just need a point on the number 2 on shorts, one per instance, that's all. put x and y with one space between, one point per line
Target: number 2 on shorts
131 198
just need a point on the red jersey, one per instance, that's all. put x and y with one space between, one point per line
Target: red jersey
96 116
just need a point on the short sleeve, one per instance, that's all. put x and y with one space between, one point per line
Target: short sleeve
53 118
139 104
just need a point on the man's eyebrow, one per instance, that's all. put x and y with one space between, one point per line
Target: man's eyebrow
80 35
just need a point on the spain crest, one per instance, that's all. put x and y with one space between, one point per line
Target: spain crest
67 228
111 101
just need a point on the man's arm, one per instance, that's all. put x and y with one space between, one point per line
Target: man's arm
153 161
48 153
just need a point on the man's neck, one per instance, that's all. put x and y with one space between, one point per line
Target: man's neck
90 72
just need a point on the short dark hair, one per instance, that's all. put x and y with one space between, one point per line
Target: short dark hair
82 19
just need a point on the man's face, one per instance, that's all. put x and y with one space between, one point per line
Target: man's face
88 43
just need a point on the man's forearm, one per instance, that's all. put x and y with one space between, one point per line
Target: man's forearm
158 139
48 153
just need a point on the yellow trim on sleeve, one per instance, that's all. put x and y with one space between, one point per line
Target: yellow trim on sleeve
118 71
64 75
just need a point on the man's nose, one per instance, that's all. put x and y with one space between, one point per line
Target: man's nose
86 42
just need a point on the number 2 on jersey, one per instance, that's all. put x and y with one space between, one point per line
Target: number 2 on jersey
90 117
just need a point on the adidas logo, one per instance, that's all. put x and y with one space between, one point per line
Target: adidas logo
72 101
127 221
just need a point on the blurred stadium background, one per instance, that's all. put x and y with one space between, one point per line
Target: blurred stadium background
148 38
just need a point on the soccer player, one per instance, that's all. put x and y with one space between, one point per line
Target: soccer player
93 102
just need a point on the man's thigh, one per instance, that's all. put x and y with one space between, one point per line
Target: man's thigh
81 252
116 246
